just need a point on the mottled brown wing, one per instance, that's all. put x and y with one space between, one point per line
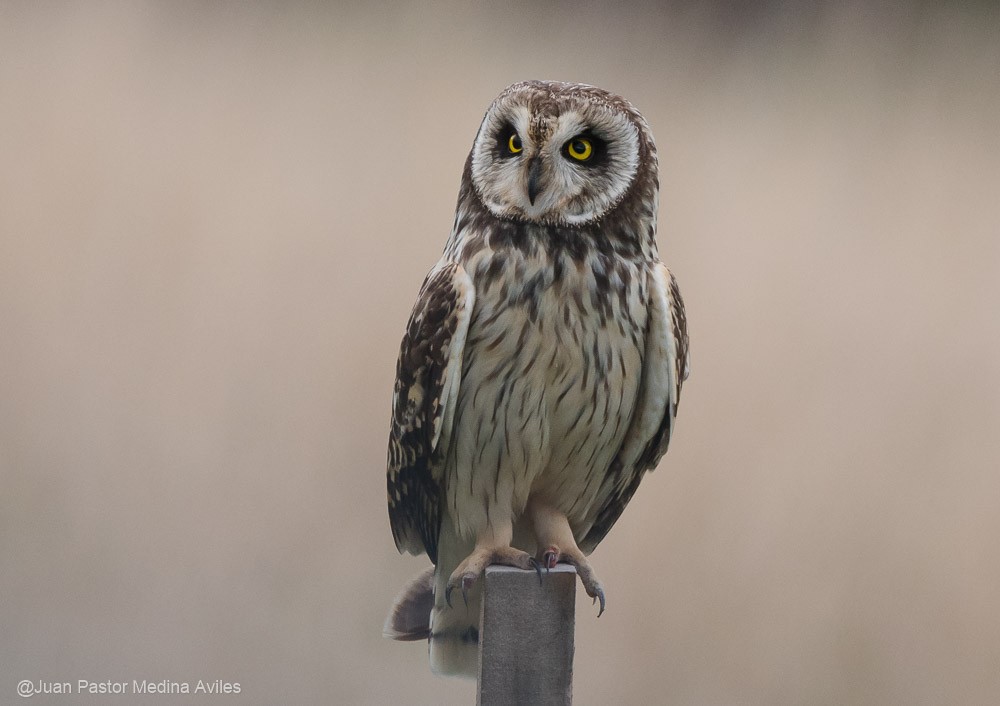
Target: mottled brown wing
664 369
428 374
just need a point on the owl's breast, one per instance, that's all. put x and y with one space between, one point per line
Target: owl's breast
550 377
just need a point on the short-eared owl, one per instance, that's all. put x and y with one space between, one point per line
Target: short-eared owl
540 371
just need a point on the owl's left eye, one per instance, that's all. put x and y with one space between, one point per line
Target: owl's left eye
580 148
514 145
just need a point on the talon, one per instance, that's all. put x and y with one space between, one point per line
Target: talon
467 582
447 595
537 567
550 558
600 596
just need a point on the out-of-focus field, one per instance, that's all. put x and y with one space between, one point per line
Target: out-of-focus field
214 219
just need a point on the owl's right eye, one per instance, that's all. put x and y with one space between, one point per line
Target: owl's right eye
514 145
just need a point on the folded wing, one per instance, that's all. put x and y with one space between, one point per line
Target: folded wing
664 369
428 375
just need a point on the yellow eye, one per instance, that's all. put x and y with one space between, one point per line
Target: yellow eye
514 144
580 149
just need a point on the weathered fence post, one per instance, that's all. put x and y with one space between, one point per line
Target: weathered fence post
526 637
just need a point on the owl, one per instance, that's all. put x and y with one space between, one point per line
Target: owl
541 367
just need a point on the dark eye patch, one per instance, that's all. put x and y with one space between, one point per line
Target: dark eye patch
503 142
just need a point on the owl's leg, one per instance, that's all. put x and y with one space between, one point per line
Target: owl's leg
556 544
492 547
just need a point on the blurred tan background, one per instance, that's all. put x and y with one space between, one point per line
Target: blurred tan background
214 219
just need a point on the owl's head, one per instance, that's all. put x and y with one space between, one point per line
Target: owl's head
559 153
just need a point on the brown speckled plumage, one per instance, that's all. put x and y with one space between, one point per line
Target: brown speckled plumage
540 372
436 328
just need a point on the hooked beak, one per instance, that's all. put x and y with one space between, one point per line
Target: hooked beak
534 179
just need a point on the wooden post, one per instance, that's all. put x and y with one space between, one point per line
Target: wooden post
526 636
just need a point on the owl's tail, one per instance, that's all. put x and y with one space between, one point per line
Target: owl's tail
421 612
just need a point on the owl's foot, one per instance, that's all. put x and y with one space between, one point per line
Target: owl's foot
575 558
557 544
465 576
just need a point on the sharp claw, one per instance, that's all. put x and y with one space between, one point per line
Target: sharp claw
550 560
447 595
466 583
537 567
600 595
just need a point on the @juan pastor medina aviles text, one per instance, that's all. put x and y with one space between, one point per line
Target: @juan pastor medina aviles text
28 687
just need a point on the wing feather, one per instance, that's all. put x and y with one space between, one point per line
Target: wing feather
664 369
428 375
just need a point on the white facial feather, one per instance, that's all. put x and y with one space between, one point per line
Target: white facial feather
572 193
